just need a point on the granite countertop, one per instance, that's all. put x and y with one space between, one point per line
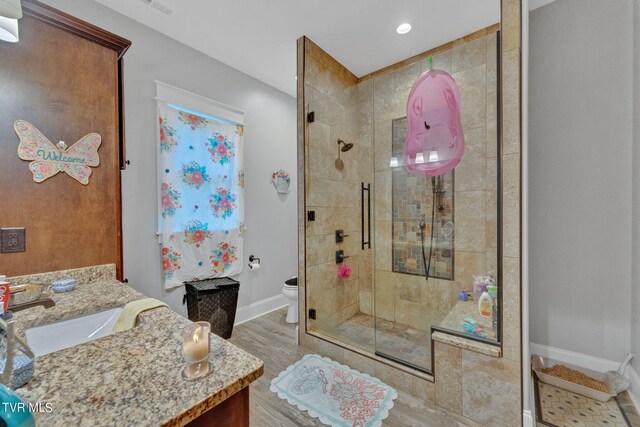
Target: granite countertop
455 318
132 377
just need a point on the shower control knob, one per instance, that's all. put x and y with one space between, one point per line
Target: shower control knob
340 236
340 256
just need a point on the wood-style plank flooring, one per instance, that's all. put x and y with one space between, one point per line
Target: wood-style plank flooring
271 339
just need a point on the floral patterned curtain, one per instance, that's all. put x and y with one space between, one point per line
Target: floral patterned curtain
201 196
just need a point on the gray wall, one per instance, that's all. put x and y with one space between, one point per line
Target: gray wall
635 289
270 144
580 176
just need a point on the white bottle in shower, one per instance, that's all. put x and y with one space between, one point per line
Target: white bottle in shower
485 304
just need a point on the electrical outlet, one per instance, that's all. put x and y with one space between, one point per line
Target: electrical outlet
12 240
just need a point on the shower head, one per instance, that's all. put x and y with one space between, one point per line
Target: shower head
345 147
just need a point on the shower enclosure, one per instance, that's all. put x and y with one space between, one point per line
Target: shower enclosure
365 211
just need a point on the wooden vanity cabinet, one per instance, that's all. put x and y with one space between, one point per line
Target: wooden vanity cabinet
64 76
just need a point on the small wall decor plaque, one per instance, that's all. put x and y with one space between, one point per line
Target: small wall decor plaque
281 181
49 159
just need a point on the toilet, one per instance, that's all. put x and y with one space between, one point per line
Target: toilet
290 291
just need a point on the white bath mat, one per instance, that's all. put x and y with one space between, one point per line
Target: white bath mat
335 394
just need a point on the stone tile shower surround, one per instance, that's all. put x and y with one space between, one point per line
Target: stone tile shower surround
412 201
349 113
481 387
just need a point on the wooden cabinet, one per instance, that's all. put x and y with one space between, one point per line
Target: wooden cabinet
233 412
65 78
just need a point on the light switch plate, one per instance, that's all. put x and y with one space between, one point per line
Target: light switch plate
12 240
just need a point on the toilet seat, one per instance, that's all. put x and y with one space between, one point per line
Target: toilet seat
292 282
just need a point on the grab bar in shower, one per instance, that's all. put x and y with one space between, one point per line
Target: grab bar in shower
368 190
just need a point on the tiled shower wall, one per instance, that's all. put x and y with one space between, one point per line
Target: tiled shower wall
474 387
409 299
413 202
334 194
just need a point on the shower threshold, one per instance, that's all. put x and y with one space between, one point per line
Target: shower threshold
392 341
403 362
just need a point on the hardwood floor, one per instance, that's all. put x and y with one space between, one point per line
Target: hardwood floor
272 339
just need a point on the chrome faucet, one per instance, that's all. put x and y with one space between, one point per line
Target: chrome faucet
44 302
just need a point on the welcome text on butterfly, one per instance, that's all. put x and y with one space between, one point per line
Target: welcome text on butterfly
58 157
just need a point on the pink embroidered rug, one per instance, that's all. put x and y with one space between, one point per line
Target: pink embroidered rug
335 394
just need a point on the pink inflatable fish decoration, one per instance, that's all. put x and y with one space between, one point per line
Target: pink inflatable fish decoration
435 141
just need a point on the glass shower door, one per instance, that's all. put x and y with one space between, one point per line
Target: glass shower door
400 203
446 225
338 158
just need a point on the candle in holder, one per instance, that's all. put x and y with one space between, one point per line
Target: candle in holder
195 346
197 370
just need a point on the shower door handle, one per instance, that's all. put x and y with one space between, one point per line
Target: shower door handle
368 190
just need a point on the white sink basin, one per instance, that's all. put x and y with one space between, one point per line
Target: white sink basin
68 333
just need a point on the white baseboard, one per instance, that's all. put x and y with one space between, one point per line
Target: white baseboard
527 419
590 362
260 308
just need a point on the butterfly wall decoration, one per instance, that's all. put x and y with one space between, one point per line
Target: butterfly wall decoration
49 159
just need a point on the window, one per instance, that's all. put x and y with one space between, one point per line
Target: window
201 186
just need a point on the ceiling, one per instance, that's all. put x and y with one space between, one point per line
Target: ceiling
258 37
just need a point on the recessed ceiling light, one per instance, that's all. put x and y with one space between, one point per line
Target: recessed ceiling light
404 28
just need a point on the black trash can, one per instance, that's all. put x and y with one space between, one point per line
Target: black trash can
213 301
